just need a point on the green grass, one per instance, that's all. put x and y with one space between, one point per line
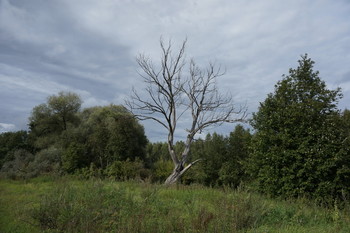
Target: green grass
69 205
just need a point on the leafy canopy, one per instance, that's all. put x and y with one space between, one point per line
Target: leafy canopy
295 147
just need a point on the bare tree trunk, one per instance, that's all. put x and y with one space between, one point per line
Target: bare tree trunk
178 171
174 177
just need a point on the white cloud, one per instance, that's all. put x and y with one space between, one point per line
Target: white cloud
6 127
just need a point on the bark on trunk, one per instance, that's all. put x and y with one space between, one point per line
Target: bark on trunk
178 171
173 178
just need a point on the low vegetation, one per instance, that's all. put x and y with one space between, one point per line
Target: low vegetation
67 204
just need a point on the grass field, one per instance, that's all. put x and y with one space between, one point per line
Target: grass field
66 204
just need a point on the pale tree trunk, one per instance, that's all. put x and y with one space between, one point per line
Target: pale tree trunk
179 163
174 176
178 171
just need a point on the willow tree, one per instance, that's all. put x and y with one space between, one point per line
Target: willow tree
178 89
49 120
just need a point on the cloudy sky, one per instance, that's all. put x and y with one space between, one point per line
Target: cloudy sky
89 47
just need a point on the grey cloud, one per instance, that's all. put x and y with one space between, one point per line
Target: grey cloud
89 47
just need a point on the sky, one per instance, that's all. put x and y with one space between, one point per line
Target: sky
89 47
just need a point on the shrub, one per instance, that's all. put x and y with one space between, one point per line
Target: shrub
161 170
47 161
89 172
230 175
73 157
18 168
124 170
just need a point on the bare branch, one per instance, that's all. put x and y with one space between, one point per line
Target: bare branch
171 94
189 166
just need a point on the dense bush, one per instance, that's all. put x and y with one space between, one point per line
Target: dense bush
19 166
161 170
25 165
125 170
74 157
47 161
62 138
105 135
12 141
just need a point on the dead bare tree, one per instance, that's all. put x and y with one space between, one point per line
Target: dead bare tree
173 94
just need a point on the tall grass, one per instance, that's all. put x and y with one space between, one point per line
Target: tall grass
128 207
67 205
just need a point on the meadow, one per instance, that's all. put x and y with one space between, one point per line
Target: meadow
69 204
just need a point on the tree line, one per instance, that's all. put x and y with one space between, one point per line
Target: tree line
108 141
298 146
62 138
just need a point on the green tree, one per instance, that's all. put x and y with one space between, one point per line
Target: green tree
296 142
155 152
197 174
64 107
343 156
111 133
232 171
215 152
12 141
74 157
49 120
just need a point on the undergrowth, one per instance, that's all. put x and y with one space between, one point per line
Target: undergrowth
66 205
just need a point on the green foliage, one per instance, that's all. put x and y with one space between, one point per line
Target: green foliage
161 170
197 173
25 165
229 174
97 135
90 172
233 169
49 120
47 161
12 141
125 170
111 134
215 152
64 107
74 157
296 145
224 159
155 152
19 167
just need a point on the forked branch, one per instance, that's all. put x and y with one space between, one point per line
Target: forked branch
172 93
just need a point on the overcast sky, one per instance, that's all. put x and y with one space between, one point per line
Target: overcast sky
89 47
